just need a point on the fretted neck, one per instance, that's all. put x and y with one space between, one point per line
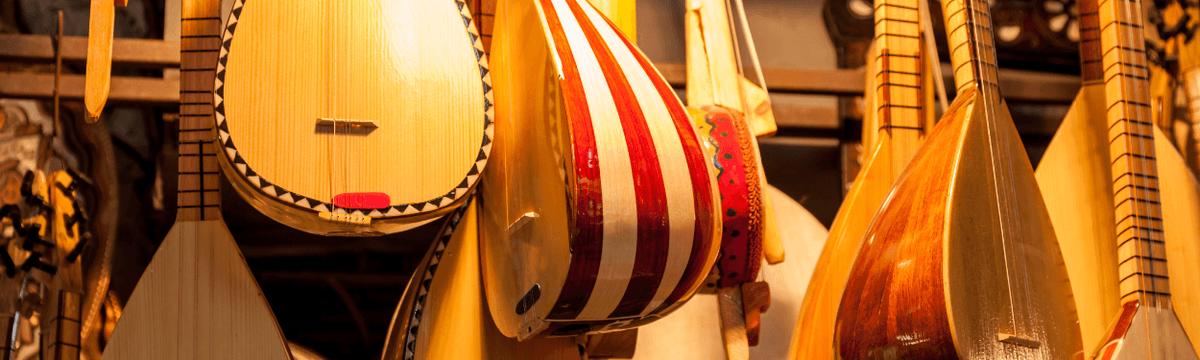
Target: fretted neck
1091 56
1141 250
972 49
199 173
900 96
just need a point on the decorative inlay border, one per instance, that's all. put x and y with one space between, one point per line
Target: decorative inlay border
414 320
308 203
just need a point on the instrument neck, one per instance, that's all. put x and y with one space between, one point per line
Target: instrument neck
901 94
972 48
714 77
1091 55
1141 249
199 174
483 14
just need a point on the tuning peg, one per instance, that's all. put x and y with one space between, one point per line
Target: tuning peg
33 236
10 268
81 180
79 217
35 261
84 239
27 184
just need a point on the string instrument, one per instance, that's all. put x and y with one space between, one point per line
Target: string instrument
1078 188
600 213
370 117
43 281
694 331
719 109
902 115
961 260
197 298
1148 326
443 314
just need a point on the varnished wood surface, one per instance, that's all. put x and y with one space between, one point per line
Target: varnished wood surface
197 300
1075 178
410 66
636 232
453 321
99 62
65 328
623 14
899 118
714 66
1181 224
693 331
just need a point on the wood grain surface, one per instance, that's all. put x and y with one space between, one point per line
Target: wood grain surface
443 314
197 298
963 245
414 68
900 117
99 63
636 232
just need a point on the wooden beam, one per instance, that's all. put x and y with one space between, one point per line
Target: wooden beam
128 90
1017 85
126 52
808 81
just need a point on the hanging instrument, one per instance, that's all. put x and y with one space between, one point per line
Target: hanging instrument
1147 327
197 298
902 115
368 117
963 244
601 211
714 75
1076 181
443 314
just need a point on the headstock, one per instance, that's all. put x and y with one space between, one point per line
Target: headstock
42 274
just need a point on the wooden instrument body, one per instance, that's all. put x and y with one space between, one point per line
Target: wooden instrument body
894 128
733 151
443 314
560 212
1077 185
930 280
197 298
415 69
1138 326
694 331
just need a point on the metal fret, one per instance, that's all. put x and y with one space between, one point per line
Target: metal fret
199 175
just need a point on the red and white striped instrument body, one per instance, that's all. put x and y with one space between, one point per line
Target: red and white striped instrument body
602 213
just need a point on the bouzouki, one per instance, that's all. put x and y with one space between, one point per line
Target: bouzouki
369 117
1147 327
961 260
902 109
1076 180
443 314
197 298
600 211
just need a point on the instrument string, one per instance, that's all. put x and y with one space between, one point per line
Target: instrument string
983 84
1131 85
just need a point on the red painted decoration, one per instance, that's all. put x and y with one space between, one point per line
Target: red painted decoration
363 200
